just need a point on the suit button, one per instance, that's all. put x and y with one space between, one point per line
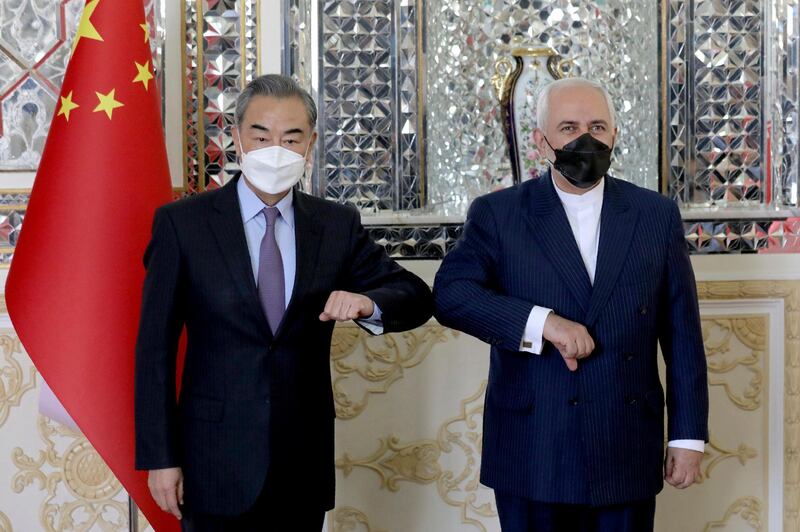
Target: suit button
573 401
630 400
643 310
629 357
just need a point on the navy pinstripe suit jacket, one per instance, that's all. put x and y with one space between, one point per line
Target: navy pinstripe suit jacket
594 436
251 401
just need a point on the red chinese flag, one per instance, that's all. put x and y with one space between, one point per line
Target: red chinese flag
74 288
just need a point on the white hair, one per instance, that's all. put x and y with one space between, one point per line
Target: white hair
543 101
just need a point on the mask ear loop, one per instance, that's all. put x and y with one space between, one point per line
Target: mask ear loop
308 163
552 163
241 148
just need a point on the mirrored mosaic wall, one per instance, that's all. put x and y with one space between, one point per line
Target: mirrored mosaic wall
449 97
715 128
728 85
612 42
220 57
35 43
730 122
367 78
465 152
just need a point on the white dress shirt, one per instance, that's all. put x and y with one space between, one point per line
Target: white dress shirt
255 225
583 212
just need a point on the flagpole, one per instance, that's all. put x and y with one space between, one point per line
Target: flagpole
133 515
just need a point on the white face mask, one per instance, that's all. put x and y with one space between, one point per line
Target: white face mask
273 170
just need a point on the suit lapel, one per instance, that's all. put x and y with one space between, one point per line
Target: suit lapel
228 229
617 225
308 237
550 225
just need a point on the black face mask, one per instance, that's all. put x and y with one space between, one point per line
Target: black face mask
584 161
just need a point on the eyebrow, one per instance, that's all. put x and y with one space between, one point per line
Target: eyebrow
292 131
575 123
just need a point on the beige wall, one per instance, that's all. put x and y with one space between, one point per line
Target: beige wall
409 429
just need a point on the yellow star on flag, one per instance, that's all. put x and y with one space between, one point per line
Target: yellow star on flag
144 74
107 103
86 28
146 28
67 105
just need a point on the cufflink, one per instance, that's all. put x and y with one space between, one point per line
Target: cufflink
527 345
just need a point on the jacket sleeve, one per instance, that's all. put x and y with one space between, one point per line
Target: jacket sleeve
160 327
466 293
404 299
681 340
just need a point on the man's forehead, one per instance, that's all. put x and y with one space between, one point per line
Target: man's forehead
277 108
579 104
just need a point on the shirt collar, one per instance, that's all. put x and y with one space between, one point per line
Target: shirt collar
251 205
593 196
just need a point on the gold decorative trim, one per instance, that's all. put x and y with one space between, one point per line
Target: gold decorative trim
184 106
789 292
421 462
5 523
505 70
751 332
749 509
379 361
414 462
349 519
201 104
259 72
533 51
70 470
508 70
715 454
13 381
243 41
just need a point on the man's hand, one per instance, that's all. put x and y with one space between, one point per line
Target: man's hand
166 487
682 467
571 339
344 306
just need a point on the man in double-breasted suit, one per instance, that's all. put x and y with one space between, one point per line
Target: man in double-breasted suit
258 273
574 279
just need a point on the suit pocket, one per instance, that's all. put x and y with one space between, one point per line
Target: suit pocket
203 408
515 399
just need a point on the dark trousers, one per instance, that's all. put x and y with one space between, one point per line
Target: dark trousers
273 511
521 515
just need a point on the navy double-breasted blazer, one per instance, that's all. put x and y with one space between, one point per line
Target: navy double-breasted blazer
594 436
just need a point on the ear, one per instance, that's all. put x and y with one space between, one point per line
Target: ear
236 140
538 138
312 143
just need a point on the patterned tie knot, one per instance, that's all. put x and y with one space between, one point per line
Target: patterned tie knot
271 214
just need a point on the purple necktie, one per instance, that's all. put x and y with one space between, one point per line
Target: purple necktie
270 273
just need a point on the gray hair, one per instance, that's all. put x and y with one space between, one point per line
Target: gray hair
277 86
543 101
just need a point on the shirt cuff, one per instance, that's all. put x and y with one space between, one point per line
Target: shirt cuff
374 323
534 329
692 445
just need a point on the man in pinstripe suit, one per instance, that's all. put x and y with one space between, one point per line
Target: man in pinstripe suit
574 279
